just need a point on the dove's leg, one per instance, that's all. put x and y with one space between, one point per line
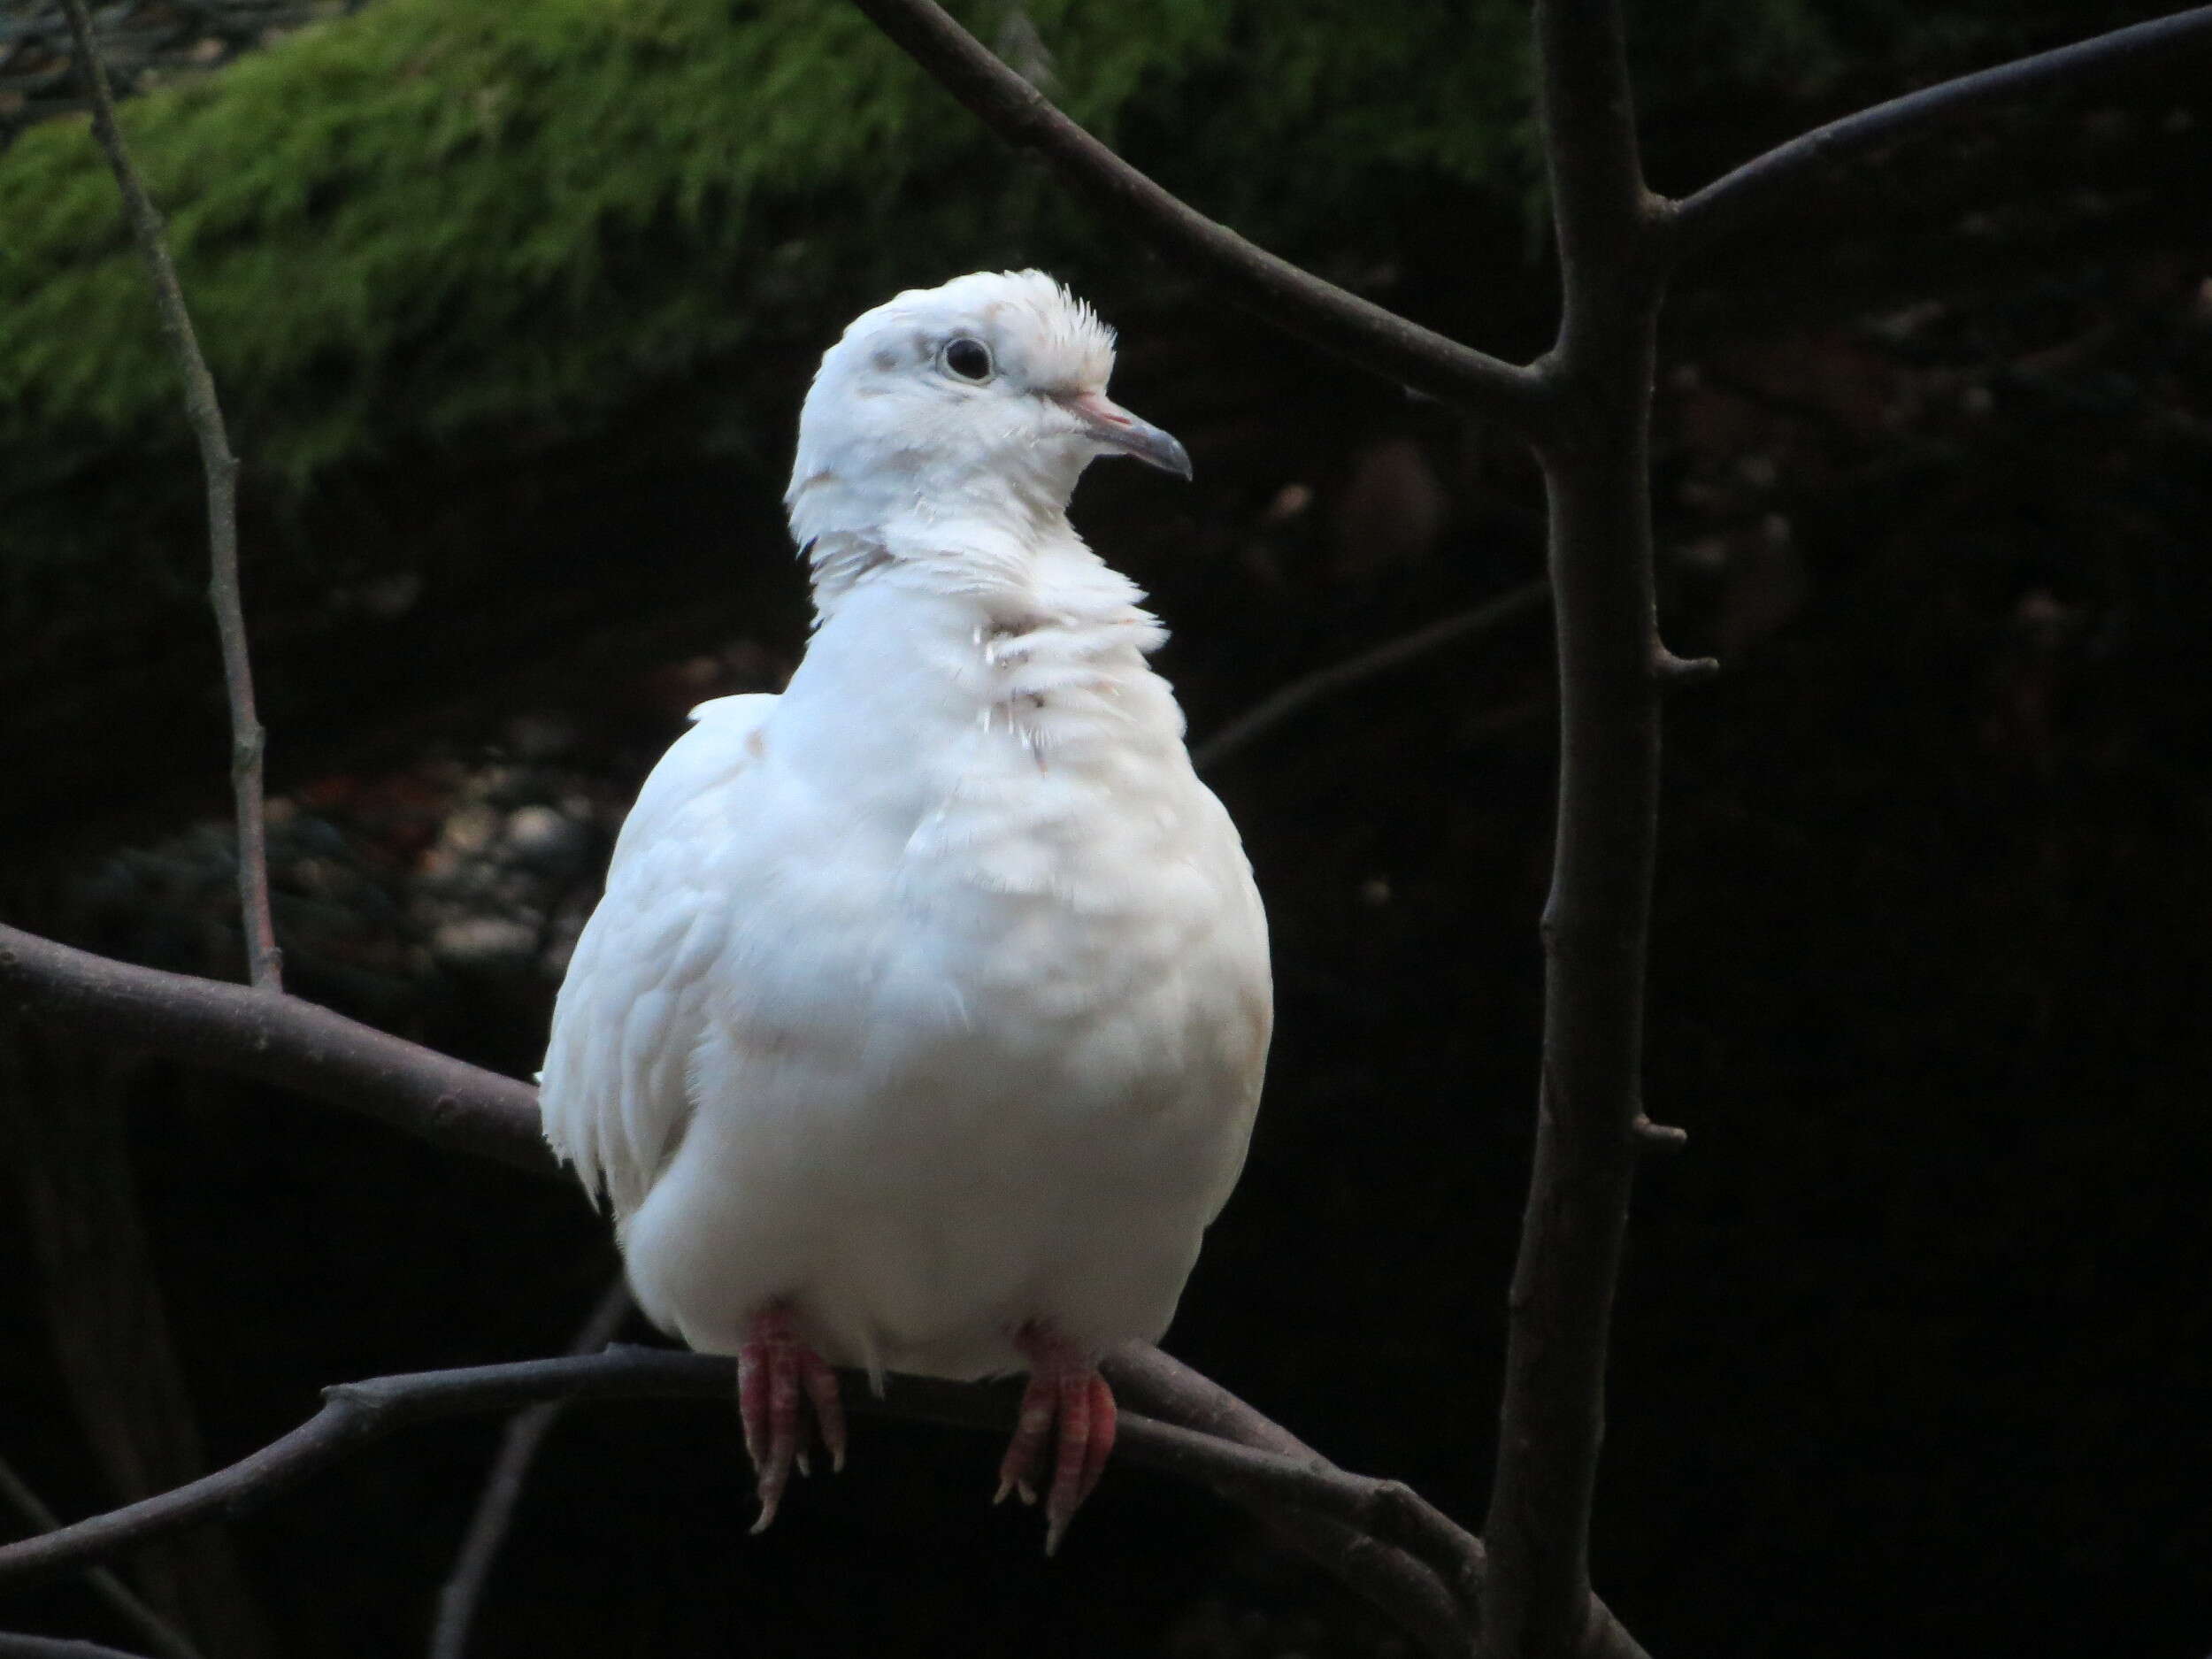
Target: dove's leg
773 1369
1066 1393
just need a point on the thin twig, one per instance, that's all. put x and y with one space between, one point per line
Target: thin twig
503 1487
1360 332
1734 200
167 1640
264 963
1279 705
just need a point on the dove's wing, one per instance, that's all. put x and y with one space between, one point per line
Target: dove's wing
614 1093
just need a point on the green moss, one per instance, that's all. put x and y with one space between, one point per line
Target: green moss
506 221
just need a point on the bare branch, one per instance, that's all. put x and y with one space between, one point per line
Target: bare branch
166 1639
1729 203
275 1039
264 963
1433 1594
1278 706
1396 1514
1359 330
503 1487
355 1414
1597 917
1436 1549
1599 201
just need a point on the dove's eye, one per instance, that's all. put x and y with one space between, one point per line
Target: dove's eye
969 359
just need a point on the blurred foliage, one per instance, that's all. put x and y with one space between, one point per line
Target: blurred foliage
507 221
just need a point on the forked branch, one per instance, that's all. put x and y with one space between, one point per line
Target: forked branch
1360 332
1551 1416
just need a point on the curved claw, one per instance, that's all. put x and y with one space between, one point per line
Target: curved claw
774 1369
1067 1405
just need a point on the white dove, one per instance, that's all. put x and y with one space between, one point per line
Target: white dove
922 1024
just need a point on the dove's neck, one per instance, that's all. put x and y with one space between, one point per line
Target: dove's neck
962 523
935 636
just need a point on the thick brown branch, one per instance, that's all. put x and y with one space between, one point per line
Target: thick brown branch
1363 333
1552 1414
275 1039
1433 1592
1434 1544
1784 174
263 962
1272 709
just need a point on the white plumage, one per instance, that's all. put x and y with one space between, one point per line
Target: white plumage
926 1012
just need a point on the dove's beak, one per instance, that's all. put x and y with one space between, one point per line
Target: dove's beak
1118 432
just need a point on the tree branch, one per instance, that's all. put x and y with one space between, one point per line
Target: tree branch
276 1039
356 1414
167 1640
1278 706
1359 330
1434 1597
1186 1398
264 963
1729 203
1600 205
1552 1413
518 1445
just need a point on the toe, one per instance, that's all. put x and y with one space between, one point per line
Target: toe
773 1471
752 1399
1024 1453
829 1407
1070 1455
1101 1445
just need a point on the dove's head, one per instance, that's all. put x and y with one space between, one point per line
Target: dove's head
984 399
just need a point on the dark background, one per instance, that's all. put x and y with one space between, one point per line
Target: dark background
1911 1355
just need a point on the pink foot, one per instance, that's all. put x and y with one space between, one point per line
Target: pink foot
773 1366
1063 1383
